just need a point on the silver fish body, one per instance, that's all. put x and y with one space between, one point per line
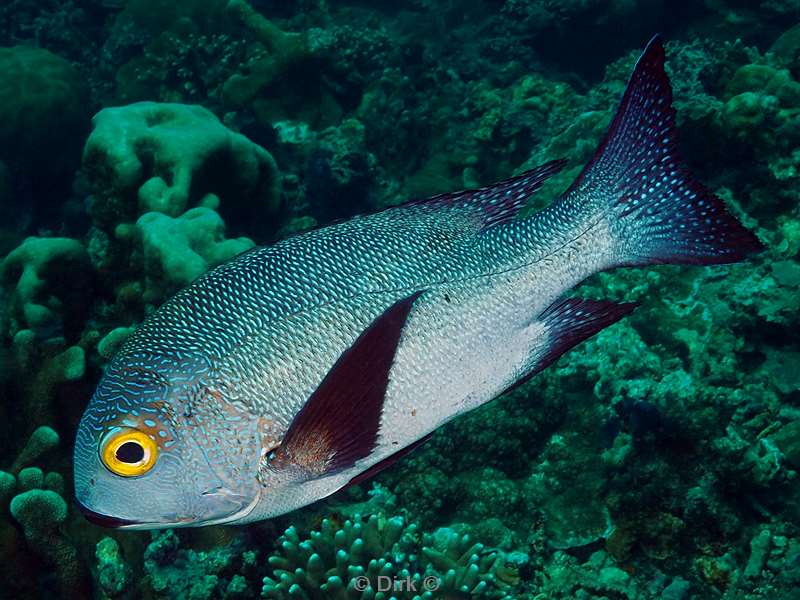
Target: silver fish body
219 374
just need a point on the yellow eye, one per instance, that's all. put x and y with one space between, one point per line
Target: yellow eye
128 452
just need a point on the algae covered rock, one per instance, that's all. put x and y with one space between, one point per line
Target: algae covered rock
166 157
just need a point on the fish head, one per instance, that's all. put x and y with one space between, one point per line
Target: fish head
159 446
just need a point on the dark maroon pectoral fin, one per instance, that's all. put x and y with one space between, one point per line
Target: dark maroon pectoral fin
339 423
569 321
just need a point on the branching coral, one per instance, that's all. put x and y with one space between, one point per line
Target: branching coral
671 440
381 557
45 367
38 506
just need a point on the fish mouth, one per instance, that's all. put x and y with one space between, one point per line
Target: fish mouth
96 518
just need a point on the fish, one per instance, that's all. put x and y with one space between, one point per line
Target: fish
297 369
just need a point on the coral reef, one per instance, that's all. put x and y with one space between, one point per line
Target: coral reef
42 108
50 285
176 251
282 51
43 117
177 573
181 65
658 460
114 576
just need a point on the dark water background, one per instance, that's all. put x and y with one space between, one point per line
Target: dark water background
658 460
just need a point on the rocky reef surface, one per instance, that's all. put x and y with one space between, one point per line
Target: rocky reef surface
143 142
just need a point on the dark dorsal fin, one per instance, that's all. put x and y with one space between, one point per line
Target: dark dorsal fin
499 202
339 423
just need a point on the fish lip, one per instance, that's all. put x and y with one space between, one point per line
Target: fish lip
96 518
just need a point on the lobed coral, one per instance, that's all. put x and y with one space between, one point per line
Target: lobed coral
175 251
41 296
162 157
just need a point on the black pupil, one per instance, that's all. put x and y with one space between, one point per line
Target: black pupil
130 452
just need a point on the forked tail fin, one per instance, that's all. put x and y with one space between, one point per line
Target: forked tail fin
657 211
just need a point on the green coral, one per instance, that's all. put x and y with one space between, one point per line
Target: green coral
48 280
36 503
109 344
114 575
365 558
172 156
41 513
45 369
659 459
282 51
175 251
763 105
224 571
182 64
155 16
42 440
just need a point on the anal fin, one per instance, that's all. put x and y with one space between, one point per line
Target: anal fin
570 321
338 425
